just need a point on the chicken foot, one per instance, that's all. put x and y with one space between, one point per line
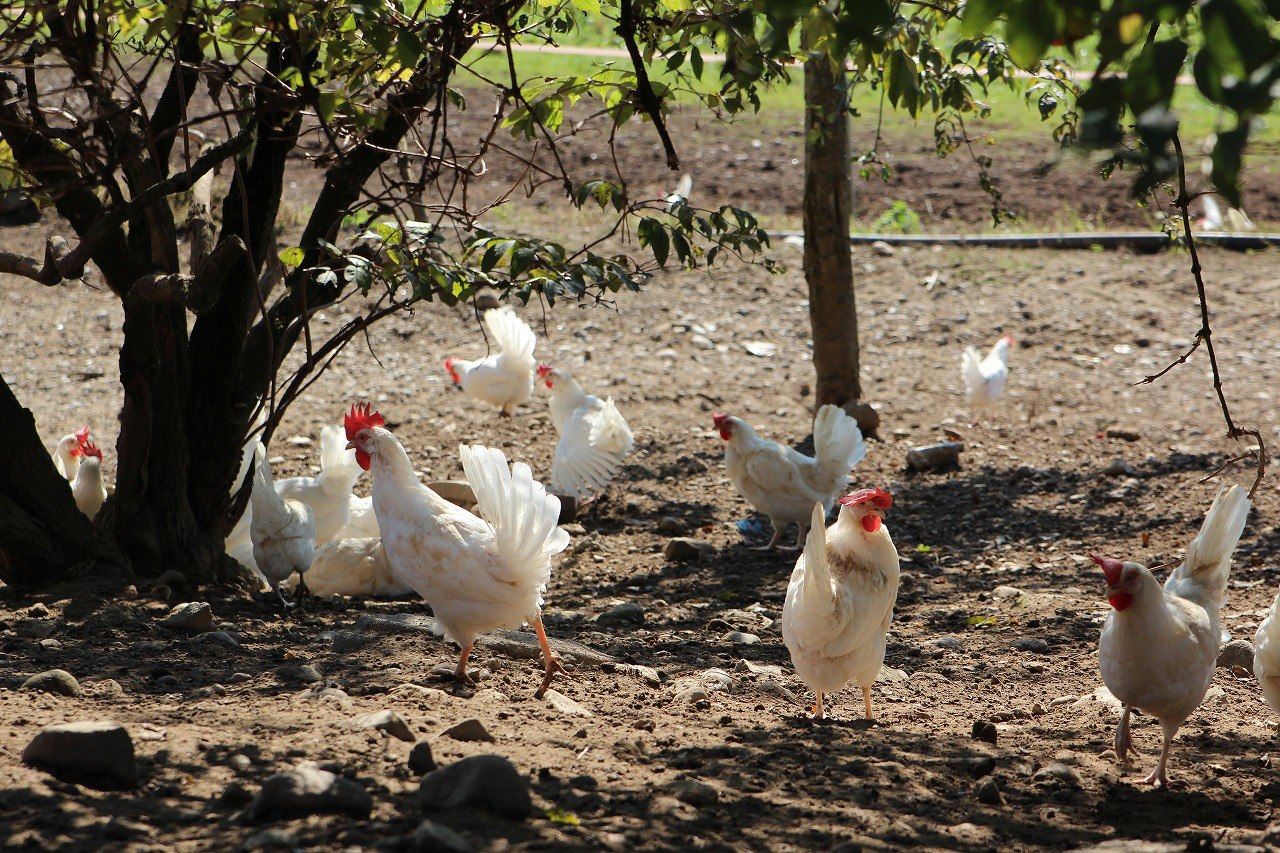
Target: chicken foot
819 712
552 663
773 543
460 671
866 700
1123 743
1158 777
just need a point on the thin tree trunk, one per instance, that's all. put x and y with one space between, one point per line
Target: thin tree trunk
44 539
828 264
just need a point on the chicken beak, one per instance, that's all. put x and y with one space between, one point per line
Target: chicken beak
351 445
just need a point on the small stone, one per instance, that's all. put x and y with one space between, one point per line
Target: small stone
685 550
647 674
305 674
882 249
421 761
1123 433
488 782
468 731
1032 644
738 638
1234 653
574 529
386 721
239 678
38 611
700 795
670 524
955 644
431 837
270 839
565 705
349 641
987 792
50 644
984 731
240 762
57 681
221 638
624 612
308 790
36 629
195 617
1057 773
1005 592
95 754
1118 468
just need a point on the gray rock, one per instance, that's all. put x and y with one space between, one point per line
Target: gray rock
421 761
36 629
1005 592
431 837
270 839
95 754
685 550
882 249
57 681
488 782
1118 468
1036 645
624 612
670 524
221 638
739 638
1057 773
984 730
950 642
195 617
349 641
386 721
565 705
700 795
239 678
987 792
307 790
469 731
1234 653
305 674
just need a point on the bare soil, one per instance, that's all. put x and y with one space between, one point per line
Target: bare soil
1026 506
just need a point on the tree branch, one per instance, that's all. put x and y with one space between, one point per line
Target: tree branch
649 100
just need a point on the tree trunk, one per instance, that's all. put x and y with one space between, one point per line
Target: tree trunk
44 539
828 263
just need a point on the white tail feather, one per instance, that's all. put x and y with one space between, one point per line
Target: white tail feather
1266 656
808 613
837 442
338 467
511 334
971 368
523 516
1204 573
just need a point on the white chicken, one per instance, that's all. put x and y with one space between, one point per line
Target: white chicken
783 483
984 378
66 456
283 531
87 486
361 523
353 567
840 599
477 573
594 437
504 378
1159 647
1266 656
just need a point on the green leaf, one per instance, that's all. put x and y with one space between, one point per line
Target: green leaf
653 235
1032 25
695 62
1153 76
1228 152
591 7
978 16
902 83
292 257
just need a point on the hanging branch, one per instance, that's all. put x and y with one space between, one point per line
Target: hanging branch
649 100
1205 335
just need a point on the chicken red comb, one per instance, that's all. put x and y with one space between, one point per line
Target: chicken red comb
1008 339
361 418
544 369
82 434
1110 567
88 448
719 418
878 497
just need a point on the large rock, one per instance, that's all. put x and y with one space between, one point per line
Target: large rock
95 754
386 721
1234 653
470 730
682 549
57 681
487 782
307 790
195 617
421 761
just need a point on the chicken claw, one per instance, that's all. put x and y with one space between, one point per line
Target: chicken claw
1123 743
551 661
460 671
773 543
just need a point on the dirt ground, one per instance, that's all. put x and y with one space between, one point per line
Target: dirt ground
211 722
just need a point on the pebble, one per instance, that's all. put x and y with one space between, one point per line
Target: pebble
882 249
239 678
193 616
670 524
685 550
240 762
349 641
700 795
307 790
987 791
57 681
647 674
758 669
305 674
386 721
421 761
625 612
950 642
1118 468
984 731
1234 653
470 730
1056 772
431 837
221 638
738 638
1003 592
1123 433
95 754
488 782
1032 644
565 705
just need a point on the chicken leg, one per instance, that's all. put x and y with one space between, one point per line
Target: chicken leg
552 663
773 543
1123 743
801 531
818 712
460 671
866 700
1158 777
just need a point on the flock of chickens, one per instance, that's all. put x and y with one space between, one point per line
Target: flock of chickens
488 570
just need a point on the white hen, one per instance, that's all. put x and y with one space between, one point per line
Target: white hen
353 567
283 530
783 483
594 437
1266 656
477 573
66 456
984 378
87 486
505 377
1159 647
840 599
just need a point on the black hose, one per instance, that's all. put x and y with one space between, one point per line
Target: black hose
1142 241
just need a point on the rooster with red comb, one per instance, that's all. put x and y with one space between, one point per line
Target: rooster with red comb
840 599
87 486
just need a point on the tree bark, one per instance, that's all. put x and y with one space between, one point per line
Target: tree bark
43 537
828 263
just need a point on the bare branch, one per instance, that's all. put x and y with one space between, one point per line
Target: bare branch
649 100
